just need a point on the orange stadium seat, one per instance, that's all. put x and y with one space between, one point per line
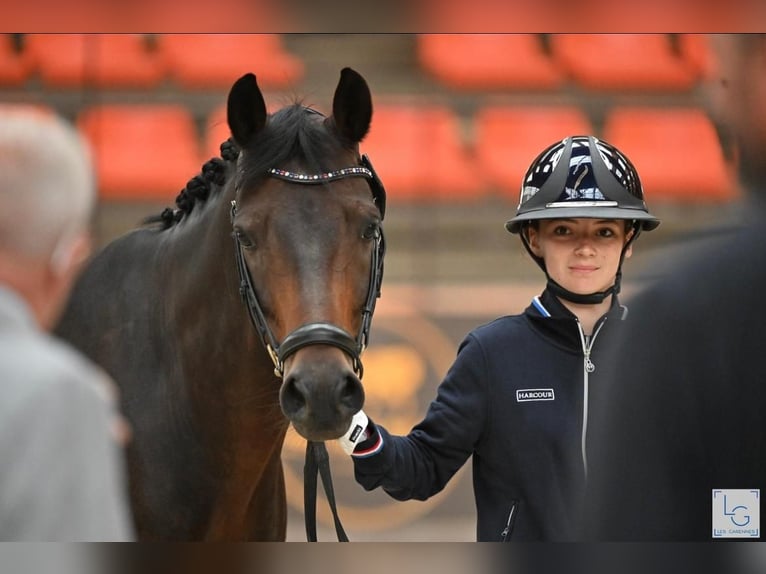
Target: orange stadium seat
508 138
676 151
15 65
101 60
419 154
141 151
623 62
217 60
487 61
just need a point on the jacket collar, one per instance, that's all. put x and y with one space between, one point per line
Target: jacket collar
549 317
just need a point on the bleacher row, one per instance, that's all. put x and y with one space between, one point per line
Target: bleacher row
424 150
463 61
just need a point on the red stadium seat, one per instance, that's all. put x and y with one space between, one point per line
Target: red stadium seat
487 61
675 150
217 60
101 60
418 153
508 138
141 152
623 62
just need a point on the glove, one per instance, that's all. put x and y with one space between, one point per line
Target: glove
356 433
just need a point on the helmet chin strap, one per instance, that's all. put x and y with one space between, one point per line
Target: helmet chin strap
589 299
577 298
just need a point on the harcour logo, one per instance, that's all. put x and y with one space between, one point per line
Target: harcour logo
525 395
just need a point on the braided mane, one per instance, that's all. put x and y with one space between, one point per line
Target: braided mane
211 178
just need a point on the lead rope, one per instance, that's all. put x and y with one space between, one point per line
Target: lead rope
317 460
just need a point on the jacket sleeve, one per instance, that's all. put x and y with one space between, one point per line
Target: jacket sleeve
420 464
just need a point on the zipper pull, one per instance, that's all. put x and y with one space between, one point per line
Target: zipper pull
507 529
589 366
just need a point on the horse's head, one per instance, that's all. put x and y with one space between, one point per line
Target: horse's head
307 220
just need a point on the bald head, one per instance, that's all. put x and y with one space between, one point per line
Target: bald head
46 182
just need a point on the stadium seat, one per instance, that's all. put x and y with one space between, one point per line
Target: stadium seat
15 65
200 61
676 151
643 62
419 154
141 151
508 138
100 60
487 61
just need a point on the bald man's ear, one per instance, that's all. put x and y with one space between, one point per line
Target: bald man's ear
70 253
64 266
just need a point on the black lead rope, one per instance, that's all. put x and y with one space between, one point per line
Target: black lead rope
318 461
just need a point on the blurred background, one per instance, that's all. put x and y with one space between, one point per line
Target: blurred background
457 120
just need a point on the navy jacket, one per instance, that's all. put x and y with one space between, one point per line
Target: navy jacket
516 398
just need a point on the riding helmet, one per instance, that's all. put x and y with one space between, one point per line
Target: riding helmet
582 176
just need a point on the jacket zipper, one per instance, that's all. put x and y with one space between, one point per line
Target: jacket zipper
588 367
509 524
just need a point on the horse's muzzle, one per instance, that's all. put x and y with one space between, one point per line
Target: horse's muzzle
320 392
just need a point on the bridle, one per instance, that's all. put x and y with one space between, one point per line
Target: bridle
318 333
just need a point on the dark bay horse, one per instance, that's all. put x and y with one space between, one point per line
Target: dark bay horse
241 311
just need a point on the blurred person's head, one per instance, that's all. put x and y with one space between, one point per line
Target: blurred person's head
46 200
738 101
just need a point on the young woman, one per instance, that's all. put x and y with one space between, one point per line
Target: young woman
517 395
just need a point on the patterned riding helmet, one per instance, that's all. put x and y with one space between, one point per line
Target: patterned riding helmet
582 176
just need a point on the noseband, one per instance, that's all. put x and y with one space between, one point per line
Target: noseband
319 333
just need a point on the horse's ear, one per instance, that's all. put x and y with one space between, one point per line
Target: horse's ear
245 110
352 106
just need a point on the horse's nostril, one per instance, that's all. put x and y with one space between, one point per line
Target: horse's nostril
293 396
351 393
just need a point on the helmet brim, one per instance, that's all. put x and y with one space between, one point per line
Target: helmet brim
648 221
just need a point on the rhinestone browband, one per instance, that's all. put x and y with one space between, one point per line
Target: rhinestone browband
320 177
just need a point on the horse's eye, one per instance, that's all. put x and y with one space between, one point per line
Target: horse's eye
244 239
371 231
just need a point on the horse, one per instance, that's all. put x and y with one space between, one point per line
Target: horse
241 311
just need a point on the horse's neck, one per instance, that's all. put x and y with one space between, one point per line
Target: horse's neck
207 306
205 281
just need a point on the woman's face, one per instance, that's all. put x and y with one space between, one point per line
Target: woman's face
581 255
